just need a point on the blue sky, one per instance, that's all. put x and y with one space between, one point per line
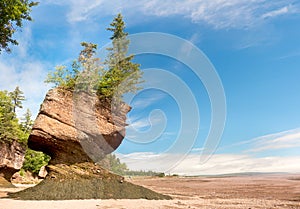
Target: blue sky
253 45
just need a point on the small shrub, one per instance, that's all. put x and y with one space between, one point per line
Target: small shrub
161 175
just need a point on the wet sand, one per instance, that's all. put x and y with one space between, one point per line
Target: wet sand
260 191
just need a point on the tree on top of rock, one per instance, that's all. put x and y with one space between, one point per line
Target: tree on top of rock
123 75
118 76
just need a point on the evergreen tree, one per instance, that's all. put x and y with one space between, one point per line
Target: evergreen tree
112 163
121 68
9 125
120 76
84 74
12 14
27 122
17 97
92 70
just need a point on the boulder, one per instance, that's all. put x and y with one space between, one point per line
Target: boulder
75 127
11 158
43 172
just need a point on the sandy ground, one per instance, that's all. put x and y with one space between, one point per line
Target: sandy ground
272 191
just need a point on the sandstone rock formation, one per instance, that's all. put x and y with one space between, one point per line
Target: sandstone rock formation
76 130
77 127
11 158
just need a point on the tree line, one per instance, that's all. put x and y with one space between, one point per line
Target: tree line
14 129
11 128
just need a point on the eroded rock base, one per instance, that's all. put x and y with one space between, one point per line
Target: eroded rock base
84 181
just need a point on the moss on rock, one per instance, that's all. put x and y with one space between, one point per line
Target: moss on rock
84 181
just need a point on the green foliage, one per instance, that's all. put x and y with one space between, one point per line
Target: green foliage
122 76
112 79
63 77
141 173
112 163
12 14
27 122
34 161
13 130
22 172
84 74
17 97
161 175
10 127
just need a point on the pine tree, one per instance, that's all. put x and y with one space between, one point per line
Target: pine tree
92 70
17 98
9 124
27 122
12 14
123 75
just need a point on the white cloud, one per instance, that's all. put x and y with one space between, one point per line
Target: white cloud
277 141
281 140
217 13
29 77
248 161
20 69
144 101
147 129
277 12
217 164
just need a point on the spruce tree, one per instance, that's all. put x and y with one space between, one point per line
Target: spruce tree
10 128
17 97
12 14
123 75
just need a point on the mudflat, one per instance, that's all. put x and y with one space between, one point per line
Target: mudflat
257 191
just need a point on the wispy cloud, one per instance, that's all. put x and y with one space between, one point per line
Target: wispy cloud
282 140
277 12
21 69
219 13
217 164
246 160
29 77
290 55
270 142
147 129
147 100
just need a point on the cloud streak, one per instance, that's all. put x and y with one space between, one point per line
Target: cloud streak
218 13
26 72
281 140
278 12
217 164
244 161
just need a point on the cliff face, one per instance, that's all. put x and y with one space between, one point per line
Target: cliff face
77 127
11 158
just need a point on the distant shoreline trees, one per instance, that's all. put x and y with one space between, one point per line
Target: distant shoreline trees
13 129
113 163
